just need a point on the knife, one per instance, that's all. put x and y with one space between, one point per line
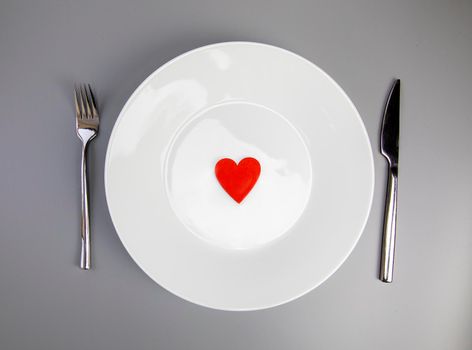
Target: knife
389 137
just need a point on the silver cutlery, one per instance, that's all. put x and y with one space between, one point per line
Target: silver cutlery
389 148
87 121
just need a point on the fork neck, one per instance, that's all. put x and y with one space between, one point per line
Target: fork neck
86 134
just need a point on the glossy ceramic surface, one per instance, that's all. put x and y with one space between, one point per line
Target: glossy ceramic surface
299 222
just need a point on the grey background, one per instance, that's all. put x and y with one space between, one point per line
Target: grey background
46 302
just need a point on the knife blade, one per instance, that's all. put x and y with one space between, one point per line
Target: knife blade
389 139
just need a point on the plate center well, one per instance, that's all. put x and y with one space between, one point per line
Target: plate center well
238 130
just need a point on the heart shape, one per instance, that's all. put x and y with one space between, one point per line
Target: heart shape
237 179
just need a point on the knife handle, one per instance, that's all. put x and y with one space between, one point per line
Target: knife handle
390 227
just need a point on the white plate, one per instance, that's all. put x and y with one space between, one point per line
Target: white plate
305 213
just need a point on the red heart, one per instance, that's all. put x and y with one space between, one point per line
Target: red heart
237 179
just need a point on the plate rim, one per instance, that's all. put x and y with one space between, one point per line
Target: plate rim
139 88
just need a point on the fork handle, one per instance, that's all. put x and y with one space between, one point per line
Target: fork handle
85 227
390 227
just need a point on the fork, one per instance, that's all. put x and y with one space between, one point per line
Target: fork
87 121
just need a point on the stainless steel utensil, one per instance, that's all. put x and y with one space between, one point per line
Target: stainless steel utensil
389 148
87 121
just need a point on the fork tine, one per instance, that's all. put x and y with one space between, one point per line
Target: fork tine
83 115
77 109
87 111
94 105
81 103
